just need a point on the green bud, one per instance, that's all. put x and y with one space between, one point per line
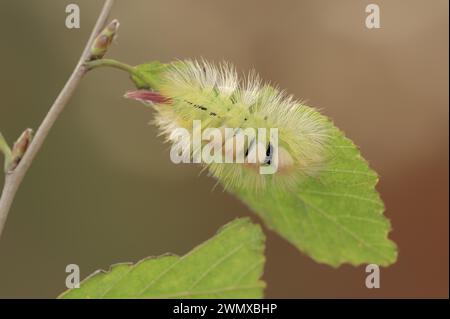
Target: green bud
4 148
103 40
19 149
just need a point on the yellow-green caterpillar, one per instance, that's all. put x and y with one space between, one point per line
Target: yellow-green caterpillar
214 95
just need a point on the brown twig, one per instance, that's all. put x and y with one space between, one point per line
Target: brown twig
14 178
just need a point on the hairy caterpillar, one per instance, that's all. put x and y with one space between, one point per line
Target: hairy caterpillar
192 90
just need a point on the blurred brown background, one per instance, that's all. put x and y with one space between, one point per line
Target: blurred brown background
103 190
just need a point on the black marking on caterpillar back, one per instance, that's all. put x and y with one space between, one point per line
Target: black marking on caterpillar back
201 107
269 154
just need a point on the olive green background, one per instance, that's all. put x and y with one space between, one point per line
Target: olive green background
102 189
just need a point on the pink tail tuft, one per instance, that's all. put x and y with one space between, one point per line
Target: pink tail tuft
147 97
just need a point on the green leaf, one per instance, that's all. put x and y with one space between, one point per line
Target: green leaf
228 265
336 217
